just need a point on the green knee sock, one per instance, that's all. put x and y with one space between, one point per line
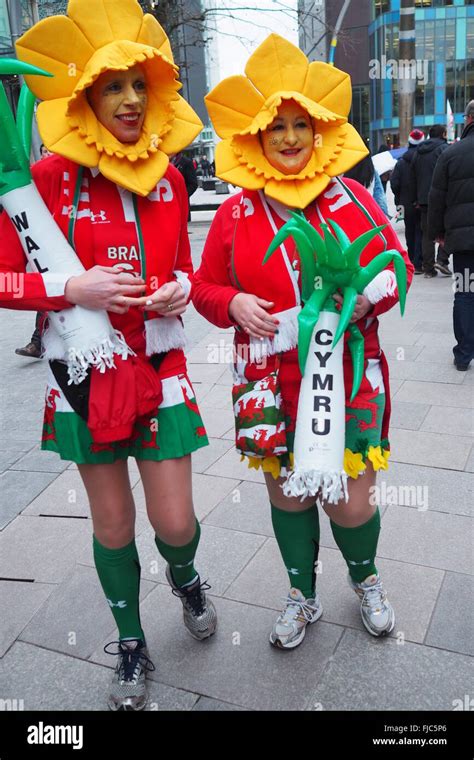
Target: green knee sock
359 546
119 575
181 558
297 534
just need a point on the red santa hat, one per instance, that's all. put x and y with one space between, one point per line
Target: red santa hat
416 137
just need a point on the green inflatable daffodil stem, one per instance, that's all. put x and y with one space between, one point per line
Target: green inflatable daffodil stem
15 139
330 264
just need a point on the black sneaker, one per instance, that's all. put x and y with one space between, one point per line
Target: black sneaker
431 274
443 268
199 613
128 691
460 367
32 351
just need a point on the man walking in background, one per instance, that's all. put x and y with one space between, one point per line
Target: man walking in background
423 166
451 221
401 183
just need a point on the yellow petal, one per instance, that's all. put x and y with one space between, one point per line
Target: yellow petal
330 87
231 170
232 105
297 193
277 65
103 21
272 465
185 127
269 111
254 463
353 150
57 135
58 46
140 176
152 33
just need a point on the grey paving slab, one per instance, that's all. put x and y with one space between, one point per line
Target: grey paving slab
230 466
47 680
452 623
41 461
408 416
412 589
76 617
438 328
426 487
436 394
246 508
19 602
207 456
445 340
401 351
42 548
204 373
430 449
221 556
237 664
441 354
452 420
204 704
219 398
431 372
65 496
427 538
381 674
217 423
10 456
226 378
397 336
469 467
18 489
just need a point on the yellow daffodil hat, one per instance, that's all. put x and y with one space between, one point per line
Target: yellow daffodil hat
241 106
94 37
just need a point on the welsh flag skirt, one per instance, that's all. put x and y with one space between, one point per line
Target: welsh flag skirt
174 431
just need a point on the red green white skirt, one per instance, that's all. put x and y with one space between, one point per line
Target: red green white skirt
175 430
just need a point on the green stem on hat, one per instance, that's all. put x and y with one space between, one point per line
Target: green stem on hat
24 118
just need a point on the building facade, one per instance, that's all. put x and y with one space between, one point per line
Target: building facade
317 19
16 16
444 58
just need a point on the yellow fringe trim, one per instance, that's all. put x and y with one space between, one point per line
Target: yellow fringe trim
354 463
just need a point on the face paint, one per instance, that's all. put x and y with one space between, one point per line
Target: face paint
289 140
119 100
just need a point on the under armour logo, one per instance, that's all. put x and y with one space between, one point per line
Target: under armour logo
101 216
122 604
293 570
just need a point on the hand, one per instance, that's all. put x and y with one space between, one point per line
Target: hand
104 288
248 311
362 307
170 300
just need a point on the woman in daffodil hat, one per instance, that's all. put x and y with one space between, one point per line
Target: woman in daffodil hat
286 141
111 115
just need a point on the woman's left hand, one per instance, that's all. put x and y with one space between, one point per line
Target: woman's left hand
362 307
169 300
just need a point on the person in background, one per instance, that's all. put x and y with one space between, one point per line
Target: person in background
205 166
186 167
401 183
451 222
33 349
423 166
366 174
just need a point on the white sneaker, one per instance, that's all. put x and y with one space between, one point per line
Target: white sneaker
376 611
290 627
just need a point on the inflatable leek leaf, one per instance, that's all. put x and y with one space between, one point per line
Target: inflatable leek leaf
330 264
15 139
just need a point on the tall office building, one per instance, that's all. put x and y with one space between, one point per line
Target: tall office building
317 19
445 64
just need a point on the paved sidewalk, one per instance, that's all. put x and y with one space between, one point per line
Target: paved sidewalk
54 620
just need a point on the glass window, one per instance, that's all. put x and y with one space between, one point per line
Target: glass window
450 39
469 80
395 98
381 6
429 40
470 38
450 83
460 87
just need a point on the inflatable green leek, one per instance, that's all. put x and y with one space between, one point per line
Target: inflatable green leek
15 139
83 338
329 264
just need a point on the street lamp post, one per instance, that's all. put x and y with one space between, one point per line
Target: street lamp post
337 29
406 69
